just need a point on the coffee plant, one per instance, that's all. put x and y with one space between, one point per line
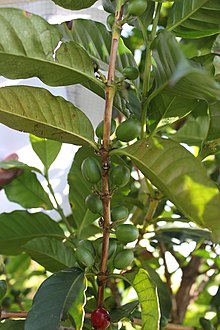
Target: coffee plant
143 185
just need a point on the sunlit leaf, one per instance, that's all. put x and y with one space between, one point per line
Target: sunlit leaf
47 150
19 227
147 295
54 299
181 177
37 111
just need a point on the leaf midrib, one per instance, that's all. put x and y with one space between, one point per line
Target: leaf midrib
171 28
81 73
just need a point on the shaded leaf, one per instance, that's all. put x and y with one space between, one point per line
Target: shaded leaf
19 227
12 325
214 131
196 127
195 18
166 109
181 177
27 191
30 47
75 4
79 190
37 111
47 150
123 311
174 74
147 294
52 254
168 232
63 288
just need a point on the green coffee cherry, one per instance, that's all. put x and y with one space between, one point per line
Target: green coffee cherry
100 128
120 175
130 72
3 288
128 130
84 257
87 244
94 203
126 233
111 250
91 170
123 259
119 213
137 7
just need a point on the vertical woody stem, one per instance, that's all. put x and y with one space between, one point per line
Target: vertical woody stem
106 196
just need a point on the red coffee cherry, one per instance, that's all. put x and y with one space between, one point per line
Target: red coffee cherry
100 319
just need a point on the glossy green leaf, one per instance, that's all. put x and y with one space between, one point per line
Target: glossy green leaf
96 40
181 177
75 4
27 191
37 111
12 325
18 227
47 150
54 298
30 47
214 132
52 254
195 18
79 190
174 74
147 295
166 109
8 164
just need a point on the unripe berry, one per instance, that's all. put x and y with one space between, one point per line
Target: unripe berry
120 175
84 257
137 7
94 203
91 169
119 213
123 259
130 72
100 319
126 233
128 130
